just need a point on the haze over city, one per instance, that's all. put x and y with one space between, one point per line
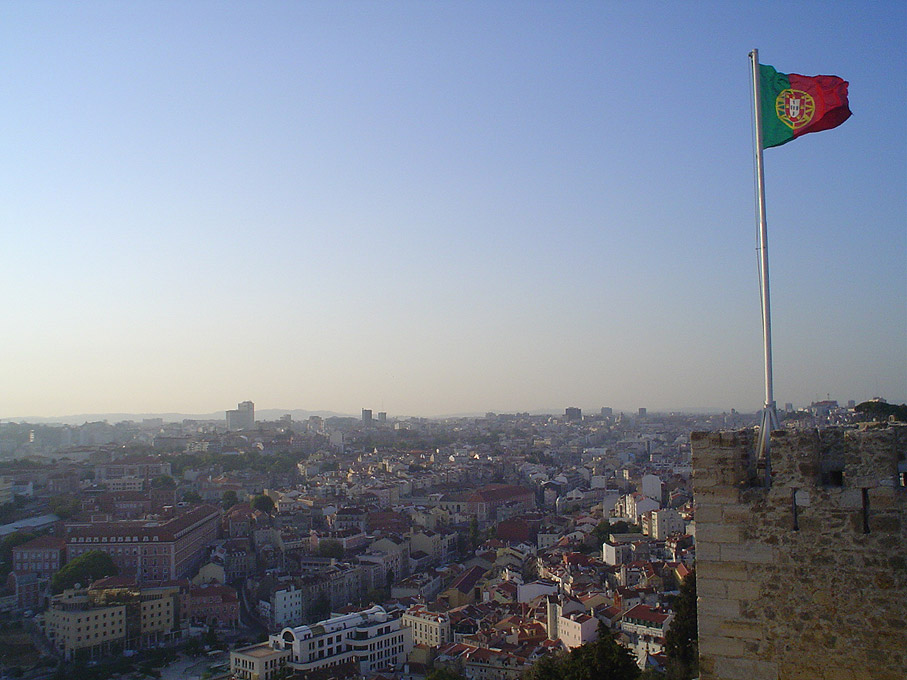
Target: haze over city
438 208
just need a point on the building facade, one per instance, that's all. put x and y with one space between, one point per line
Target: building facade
371 638
149 550
42 556
111 616
427 627
242 417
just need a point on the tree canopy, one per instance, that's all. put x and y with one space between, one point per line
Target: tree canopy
443 674
320 608
879 410
604 529
83 570
264 503
65 505
682 638
229 499
602 659
330 548
163 482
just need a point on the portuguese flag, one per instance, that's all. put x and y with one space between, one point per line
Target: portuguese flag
795 105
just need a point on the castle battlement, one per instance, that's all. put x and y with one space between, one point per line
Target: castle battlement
806 577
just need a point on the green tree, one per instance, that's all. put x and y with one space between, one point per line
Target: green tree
880 411
283 673
229 499
682 638
320 608
330 548
546 668
83 570
602 659
601 531
475 536
192 497
163 482
376 595
65 505
209 638
264 503
443 673
193 646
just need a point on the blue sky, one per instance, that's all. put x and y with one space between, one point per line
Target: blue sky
432 208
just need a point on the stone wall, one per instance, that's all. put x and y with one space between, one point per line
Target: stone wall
807 578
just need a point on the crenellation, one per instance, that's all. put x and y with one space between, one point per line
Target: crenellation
808 565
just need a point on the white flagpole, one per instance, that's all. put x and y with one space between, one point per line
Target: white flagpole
769 420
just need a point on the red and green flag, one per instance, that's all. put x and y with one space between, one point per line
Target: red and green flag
795 105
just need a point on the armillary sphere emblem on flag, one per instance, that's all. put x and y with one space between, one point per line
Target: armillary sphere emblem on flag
795 108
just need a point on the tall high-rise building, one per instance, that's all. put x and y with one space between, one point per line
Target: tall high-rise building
573 413
382 416
366 415
242 417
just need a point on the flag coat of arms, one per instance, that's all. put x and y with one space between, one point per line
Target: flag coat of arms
794 105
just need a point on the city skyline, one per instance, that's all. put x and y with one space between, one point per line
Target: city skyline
273 414
442 209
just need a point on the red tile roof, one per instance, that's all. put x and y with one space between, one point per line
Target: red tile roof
43 543
643 612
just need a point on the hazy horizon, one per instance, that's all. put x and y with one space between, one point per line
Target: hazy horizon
440 208
270 413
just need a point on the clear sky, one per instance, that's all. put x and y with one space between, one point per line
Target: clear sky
441 207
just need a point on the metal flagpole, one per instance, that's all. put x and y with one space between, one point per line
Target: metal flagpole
769 420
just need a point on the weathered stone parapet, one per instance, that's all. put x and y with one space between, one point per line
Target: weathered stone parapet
805 578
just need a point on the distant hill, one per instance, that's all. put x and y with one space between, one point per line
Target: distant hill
302 414
80 418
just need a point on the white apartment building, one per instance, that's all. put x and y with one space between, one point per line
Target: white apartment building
428 627
284 607
646 628
569 622
663 523
527 592
577 629
371 637
650 486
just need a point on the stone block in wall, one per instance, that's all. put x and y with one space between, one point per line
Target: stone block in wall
746 669
742 630
708 551
721 570
718 606
716 532
709 513
736 514
742 590
711 587
753 552
722 646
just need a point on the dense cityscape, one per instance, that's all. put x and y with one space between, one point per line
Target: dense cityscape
516 254
354 547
